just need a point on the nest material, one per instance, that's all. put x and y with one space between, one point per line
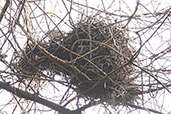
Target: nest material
100 54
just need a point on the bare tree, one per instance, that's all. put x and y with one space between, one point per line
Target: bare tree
69 56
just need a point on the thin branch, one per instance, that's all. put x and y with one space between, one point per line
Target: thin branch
4 9
143 108
86 106
35 98
131 17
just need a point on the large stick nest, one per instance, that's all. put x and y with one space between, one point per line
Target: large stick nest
98 61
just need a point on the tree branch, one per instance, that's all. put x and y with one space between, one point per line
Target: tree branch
143 108
35 98
86 106
4 9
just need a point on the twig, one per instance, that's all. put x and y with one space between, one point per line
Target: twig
131 17
143 108
4 9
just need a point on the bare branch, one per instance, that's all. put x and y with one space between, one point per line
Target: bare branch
34 97
4 9
143 108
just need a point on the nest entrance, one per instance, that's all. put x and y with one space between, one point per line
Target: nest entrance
100 54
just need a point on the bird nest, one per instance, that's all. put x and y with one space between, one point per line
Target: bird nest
95 61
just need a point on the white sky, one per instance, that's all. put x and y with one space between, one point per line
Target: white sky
127 8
